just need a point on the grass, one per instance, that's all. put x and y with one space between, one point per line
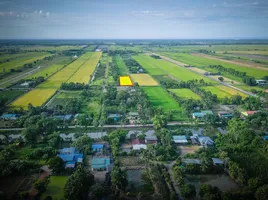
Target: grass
68 95
37 97
44 47
185 93
162 67
161 99
55 188
85 72
231 91
21 60
122 69
125 81
144 80
204 62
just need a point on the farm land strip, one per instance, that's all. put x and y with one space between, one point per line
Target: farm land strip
121 66
185 93
144 79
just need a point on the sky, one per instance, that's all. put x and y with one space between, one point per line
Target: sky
133 19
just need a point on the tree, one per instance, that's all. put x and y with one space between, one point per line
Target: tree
159 121
119 178
221 78
188 191
83 144
78 184
56 164
262 193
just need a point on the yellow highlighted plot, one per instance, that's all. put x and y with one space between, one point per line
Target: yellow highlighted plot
144 79
125 81
37 97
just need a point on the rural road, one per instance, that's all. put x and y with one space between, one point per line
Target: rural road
183 65
113 126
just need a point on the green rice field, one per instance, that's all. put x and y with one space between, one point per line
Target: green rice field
122 69
185 93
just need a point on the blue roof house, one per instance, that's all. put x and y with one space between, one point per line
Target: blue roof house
100 163
97 147
70 156
10 116
205 141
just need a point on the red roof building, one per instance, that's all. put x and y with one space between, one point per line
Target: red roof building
248 113
137 141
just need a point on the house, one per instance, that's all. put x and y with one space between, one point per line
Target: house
205 141
199 115
248 113
64 117
138 144
97 147
115 117
70 157
150 137
10 116
67 137
194 141
217 161
261 82
19 137
265 137
100 163
191 161
96 135
180 139
133 115
133 134
225 115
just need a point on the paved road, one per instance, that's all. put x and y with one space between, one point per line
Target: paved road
188 68
114 126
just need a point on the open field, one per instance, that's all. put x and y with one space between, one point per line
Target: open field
84 73
21 60
48 71
231 91
185 93
122 69
55 188
203 62
36 97
90 48
144 79
161 67
161 99
136 48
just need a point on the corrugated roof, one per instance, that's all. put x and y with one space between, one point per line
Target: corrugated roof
100 162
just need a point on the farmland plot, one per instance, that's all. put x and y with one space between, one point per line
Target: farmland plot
161 99
162 67
144 80
122 69
85 72
185 93
37 97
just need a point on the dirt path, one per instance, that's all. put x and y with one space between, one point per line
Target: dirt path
237 62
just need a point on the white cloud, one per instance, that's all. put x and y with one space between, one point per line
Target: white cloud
255 3
145 11
47 14
214 6
41 11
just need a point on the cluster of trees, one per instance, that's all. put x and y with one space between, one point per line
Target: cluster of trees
155 56
206 51
74 86
171 83
132 65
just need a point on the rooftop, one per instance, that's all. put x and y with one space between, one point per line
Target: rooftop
100 162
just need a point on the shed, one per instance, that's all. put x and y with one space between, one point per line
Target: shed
10 116
225 115
100 163
180 139
115 117
97 147
217 161
248 113
191 161
139 146
205 140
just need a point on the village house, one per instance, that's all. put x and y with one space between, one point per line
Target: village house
199 115
248 113
217 162
180 139
10 116
205 141
261 82
63 117
115 117
191 161
138 144
225 115
70 157
97 147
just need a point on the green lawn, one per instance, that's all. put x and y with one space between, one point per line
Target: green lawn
220 93
121 66
203 62
161 99
55 188
185 93
162 67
